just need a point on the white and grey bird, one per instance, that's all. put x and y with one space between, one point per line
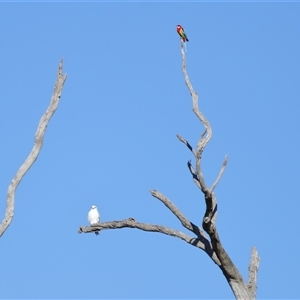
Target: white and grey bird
93 215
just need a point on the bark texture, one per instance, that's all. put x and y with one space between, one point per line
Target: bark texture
38 143
210 244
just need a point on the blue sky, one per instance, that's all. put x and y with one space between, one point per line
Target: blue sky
113 138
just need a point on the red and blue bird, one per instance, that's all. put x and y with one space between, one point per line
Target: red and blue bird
182 33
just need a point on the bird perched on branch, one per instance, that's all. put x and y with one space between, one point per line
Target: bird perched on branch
182 33
93 215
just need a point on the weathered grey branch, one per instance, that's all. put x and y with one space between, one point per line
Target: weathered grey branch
206 136
253 269
181 139
132 223
214 248
38 143
194 174
220 174
184 221
199 242
231 273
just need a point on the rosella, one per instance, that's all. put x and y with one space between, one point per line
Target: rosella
182 33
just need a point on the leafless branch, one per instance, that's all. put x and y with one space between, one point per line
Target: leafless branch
206 136
220 174
200 243
210 199
184 221
213 247
181 139
38 143
229 270
194 174
132 223
253 269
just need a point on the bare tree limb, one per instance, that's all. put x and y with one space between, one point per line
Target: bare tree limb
181 139
184 221
220 174
206 136
213 247
132 223
231 273
253 269
38 143
199 242
194 174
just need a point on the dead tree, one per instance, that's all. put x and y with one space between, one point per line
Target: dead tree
210 245
38 143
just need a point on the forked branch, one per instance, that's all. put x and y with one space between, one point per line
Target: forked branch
199 242
213 247
184 221
229 270
38 143
132 223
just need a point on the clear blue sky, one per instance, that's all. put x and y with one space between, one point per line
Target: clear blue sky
113 138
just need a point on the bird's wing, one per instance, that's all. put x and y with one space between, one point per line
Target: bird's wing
90 216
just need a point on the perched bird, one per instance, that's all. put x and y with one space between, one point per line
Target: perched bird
182 33
93 215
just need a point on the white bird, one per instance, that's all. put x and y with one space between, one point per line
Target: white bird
93 215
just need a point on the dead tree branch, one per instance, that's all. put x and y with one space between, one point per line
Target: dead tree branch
184 221
206 136
194 174
132 223
213 247
231 273
38 143
199 242
220 174
181 139
253 269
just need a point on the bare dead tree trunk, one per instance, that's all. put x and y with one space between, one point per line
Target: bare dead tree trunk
212 247
38 143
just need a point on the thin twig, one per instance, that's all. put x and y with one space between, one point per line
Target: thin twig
220 174
181 139
38 143
194 174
